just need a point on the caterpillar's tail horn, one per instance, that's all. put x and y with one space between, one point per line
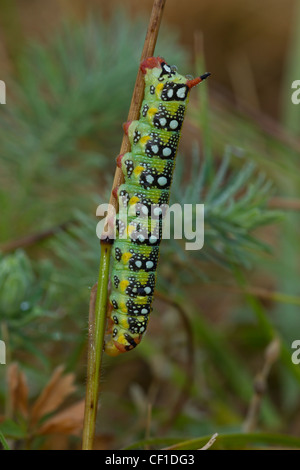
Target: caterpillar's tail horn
195 81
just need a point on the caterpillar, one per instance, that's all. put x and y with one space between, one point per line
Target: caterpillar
148 171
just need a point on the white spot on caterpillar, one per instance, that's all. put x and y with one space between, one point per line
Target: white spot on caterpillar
149 179
144 311
149 264
162 181
154 148
181 92
152 239
163 121
138 264
147 290
167 151
170 93
174 124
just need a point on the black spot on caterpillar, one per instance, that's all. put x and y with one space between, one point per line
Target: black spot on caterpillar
148 171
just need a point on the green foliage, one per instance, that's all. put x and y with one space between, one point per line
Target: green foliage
235 206
3 442
58 132
12 430
59 137
26 299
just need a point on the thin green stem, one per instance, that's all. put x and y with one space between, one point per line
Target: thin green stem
96 339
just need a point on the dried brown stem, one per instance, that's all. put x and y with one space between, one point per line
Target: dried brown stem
284 203
138 93
268 125
210 442
260 386
30 240
259 292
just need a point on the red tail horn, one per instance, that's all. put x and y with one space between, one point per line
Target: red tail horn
195 81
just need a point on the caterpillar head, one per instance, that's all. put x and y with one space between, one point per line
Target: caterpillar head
163 82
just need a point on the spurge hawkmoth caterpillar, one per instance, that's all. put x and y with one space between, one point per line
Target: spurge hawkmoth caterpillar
148 171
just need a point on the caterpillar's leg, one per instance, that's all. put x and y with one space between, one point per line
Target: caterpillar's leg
115 192
109 346
110 349
119 160
126 126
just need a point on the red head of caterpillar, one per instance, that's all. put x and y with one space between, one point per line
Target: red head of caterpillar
148 170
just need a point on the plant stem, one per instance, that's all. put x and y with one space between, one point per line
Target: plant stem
30 240
97 318
260 386
138 92
97 323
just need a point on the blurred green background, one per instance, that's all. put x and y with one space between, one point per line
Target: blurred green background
217 354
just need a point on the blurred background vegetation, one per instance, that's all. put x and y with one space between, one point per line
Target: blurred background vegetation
217 355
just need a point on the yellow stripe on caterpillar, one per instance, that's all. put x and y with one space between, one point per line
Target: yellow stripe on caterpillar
158 89
134 200
126 257
145 139
152 112
123 285
138 170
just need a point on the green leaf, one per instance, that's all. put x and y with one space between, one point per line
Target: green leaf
12 430
3 442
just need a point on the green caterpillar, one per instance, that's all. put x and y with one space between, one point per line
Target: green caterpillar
148 171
